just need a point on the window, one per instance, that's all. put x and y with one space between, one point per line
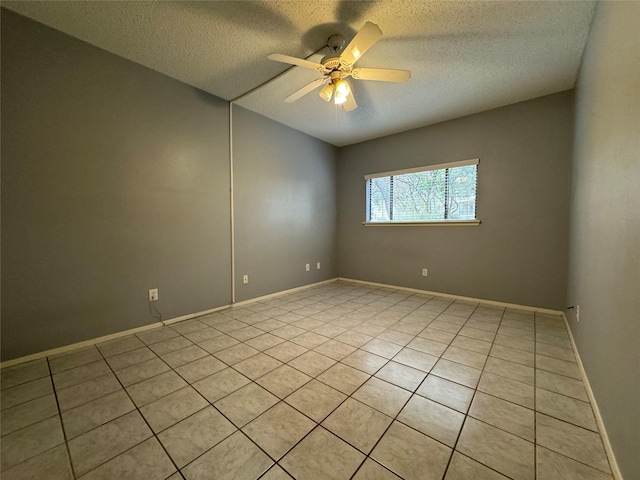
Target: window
443 193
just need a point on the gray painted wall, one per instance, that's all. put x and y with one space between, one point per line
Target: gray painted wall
115 179
604 260
518 254
284 205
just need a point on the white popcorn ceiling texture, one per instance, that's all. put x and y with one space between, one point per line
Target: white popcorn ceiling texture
465 57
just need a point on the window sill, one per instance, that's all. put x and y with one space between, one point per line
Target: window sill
441 223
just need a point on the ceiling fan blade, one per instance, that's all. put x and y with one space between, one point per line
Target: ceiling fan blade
301 62
306 89
381 74
364 39
350 103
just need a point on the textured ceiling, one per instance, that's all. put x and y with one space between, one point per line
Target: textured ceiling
465 57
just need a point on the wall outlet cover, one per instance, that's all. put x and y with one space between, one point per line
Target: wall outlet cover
424 272
245 279
153 294
307 267
318 266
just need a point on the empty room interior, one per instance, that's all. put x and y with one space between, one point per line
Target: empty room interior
320 240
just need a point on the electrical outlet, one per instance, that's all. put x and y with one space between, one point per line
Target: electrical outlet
424 272
577 313
153 294
245 279
318 266
307 267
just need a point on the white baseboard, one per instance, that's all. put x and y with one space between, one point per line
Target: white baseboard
74 346
613 463
284 292
457 297
124 333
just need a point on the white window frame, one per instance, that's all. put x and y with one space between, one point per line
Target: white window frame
441 166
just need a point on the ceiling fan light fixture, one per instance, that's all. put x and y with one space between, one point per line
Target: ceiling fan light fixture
342 91
326 92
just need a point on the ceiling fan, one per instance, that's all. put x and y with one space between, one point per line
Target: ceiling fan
338 65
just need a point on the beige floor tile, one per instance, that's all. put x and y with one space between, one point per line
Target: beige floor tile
203 334
334 349
343 378
67 361
286 351
220 384
157 335
382 348
276 473
563 342
278 429
283 381
394 336
457 372
552 466
28 413
141 371
437 335
555 352
218 343
234 458
410 454
561 384
504 415
514 371
201 368
555 365
464 468
316 400
465 357
357 424
310 339
264 342
288 332
95 413
513 355
353 338
87 391
507 389
184 356
26 392
149 390
246 333
433 419
499 450
322 455
236 354
312 363
371 470
166 411
574 442
196 434
170 345
478 334
416 359
30 441
104 443
257 366
187 326
515 342
133 357
382 396
447 393
53 465
329 330
364 361
566 408
269 325
473 344
147 460
119 346
80 374
426 345
245 404
401 375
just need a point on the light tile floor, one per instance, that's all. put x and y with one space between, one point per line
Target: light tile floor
334 382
